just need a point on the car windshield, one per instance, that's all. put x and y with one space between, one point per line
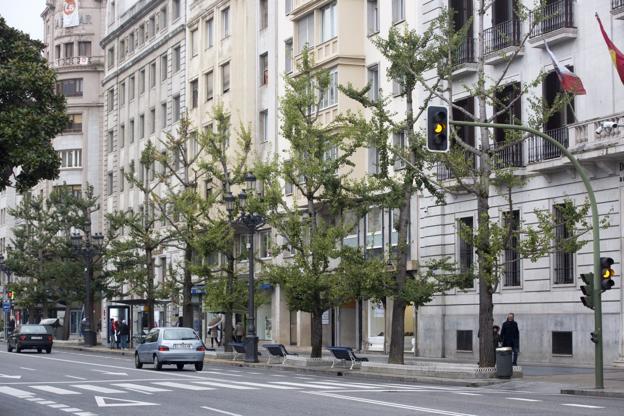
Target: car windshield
33 329
179 334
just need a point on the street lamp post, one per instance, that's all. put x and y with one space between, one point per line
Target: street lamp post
7 313
88 248
250 222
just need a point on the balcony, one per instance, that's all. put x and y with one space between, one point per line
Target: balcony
321 53
508 156
464 58
556 25
617 9
541 150
501 40
77 61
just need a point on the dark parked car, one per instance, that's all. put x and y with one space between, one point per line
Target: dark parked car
34 337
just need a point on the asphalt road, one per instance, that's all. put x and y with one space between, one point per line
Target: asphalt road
86 384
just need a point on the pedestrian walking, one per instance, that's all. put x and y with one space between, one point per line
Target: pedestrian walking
11 326
510 337
180 322
124 333
117 336
496 338
111 332
213 330
238 332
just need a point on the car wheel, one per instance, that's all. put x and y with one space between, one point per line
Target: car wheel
180 366
199 366
157 364
137 361
48 350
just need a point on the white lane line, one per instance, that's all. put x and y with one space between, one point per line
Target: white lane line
227 386
278 375
268 386
305 386
28 369
140 388
98 389
76 378
252 372
224 374
86 414
182 386
353 385
34 399
55 390
47 402
72 410
390 404
58 406
468 394
21 394
584 406
522 399
223 412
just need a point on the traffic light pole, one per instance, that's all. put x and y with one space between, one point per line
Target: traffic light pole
598 362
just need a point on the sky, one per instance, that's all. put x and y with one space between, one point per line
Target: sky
24 15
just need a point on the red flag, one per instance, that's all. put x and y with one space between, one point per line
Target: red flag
616 56
570 82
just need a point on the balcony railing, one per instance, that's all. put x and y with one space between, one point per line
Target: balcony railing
502 36
443 172
557 15
540 149
508 156
465 52
617 4
77 61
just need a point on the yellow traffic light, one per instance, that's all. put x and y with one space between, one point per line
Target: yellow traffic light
439 128
606 272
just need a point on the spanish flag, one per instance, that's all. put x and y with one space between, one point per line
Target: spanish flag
616 56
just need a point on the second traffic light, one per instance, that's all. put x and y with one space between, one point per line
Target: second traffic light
437 129
606 273
587 298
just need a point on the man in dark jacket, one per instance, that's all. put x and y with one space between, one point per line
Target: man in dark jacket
510 337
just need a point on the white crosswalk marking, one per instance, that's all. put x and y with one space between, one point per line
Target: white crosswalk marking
312 386
71 410
138 387
98 389
463 393
584 406
269 386
15 392
227 386
47 402
221 373
58 406
86 414
55 390
182 386
353 385
522 399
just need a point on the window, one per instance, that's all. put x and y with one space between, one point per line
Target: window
194 42
330 95
71 158
398 87
264 68
70 87
240 247
142 81
141 35
373 160
163 115
122 135
193 145
328 22
122 50
351 224
176 59
466 250
131 88
398 14
288 55
564 261
69 50
512 256
110 57
305 31
131 130
225 77
209 29
151 30
75 123
464 340
265 244
374 229
122 179
399 143
132 173
263 126
209 79
110 143
110 100
264 14
163 67
394 227
122 94
225 22
109 183
152 74
373 16
141 126
509 104
152 120
162 18
175 9
288 6
194 93
562 342
57 52
373 81
176 108
288 187
84 48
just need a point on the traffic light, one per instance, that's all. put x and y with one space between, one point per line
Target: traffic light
437 129
587 298
10 294
606 273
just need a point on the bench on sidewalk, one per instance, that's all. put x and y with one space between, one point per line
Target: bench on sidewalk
239 349
277 350
345 354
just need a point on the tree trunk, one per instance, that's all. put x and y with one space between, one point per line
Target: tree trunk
66 322
149 263
229 312
316 334
187 305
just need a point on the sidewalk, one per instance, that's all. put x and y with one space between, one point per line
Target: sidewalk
537 377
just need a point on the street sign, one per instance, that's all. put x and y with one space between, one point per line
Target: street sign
6 306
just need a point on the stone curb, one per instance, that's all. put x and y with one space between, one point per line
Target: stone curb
594 393
311 370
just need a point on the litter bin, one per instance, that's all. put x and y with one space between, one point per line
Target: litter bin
504 368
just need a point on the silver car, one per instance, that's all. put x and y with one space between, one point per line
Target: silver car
173 345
